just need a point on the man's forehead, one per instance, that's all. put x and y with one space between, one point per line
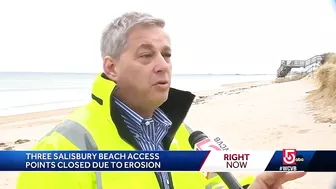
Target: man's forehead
149 37
152 46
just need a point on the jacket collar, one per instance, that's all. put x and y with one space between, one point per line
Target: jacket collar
176 108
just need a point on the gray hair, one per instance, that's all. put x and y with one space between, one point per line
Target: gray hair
114 38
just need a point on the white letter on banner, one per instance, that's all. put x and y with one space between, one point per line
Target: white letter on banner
237 161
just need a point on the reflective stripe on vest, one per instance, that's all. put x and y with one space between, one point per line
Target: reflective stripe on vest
74 132
215 185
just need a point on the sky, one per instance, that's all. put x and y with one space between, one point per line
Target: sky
208 37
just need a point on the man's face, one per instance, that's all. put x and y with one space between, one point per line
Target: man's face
144 68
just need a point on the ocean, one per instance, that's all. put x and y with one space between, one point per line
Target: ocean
22 92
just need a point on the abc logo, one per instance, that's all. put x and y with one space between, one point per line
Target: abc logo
289 157
299 159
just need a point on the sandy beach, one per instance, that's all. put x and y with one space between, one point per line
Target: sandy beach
253 116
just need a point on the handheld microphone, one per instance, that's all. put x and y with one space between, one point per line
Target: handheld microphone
200 141
209 144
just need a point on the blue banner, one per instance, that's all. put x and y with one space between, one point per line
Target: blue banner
102 160
308 161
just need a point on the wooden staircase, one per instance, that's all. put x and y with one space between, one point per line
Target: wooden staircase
287 65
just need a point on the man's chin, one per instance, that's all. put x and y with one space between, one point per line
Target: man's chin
159 98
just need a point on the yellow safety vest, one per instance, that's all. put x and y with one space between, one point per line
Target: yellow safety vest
91 127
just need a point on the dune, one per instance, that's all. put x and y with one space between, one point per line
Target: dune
323 99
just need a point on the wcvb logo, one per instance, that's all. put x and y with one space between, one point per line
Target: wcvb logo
288 156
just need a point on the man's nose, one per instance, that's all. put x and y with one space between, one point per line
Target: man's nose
161 64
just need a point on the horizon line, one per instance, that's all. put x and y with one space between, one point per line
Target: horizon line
172 73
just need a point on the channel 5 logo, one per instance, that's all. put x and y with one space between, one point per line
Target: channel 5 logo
289 157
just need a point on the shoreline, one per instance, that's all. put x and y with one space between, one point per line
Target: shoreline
79 98
215 91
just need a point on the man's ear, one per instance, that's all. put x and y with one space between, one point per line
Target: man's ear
110 68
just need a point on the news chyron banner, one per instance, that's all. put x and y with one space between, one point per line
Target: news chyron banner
204 161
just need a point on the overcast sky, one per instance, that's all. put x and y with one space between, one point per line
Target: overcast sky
214 36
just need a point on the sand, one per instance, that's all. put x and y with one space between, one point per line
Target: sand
324 97
253 116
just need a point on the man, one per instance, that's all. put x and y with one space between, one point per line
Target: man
132 108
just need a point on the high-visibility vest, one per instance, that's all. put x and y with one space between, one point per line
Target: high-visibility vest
91 128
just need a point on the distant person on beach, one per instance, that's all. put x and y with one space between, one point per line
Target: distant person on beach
133 107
